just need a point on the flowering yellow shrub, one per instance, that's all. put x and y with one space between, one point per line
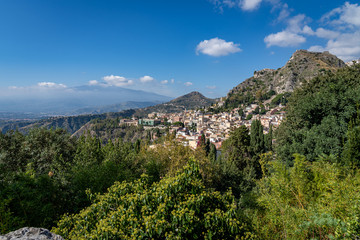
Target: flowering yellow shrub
177 207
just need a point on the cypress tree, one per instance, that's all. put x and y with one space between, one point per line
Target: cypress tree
257 138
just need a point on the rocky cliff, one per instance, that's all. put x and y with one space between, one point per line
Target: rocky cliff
302 66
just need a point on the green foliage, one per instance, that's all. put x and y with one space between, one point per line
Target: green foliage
237 168
213 152
280 98
318 115
45 150
316 200
257 137
177 207
29 201
45 174
8 221
351 153
243 97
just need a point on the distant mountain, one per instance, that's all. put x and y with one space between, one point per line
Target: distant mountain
302 66
189 101
114 107
68 101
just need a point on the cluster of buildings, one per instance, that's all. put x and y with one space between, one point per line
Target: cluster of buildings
190 125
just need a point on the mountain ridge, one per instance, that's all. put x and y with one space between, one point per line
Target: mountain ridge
302 66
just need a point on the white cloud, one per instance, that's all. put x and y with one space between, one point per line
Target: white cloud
146 79
320 32
351 14
290 37
93 82
51 85
249 5
328 34
117 81
295 24
172 81
284 39
344 41
284 13
346 14
217 47
316 48
164 82
188 84
307 30
346 46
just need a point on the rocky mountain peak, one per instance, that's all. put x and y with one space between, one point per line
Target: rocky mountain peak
302 66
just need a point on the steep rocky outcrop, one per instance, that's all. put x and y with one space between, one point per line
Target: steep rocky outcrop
30 233
302 66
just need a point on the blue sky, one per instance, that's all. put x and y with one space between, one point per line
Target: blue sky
169 47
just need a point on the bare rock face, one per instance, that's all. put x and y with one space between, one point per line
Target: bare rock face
30 233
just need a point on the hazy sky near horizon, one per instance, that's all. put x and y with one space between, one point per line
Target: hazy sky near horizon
169 47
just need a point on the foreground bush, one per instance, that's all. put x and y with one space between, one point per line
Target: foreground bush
311 200
177 207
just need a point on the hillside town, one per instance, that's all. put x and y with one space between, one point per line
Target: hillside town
189 125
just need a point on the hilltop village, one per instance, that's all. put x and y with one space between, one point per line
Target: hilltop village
189 125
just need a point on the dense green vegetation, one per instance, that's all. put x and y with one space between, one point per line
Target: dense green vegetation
318 116
69 123
305 186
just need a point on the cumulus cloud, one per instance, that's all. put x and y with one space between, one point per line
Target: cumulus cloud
146 79
328 34
346 46
307 30
344 40
295 24
321 32
117 81
172 81
284 39
348 14
211 87
291 36
164 82
188 84
217 47
93 82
